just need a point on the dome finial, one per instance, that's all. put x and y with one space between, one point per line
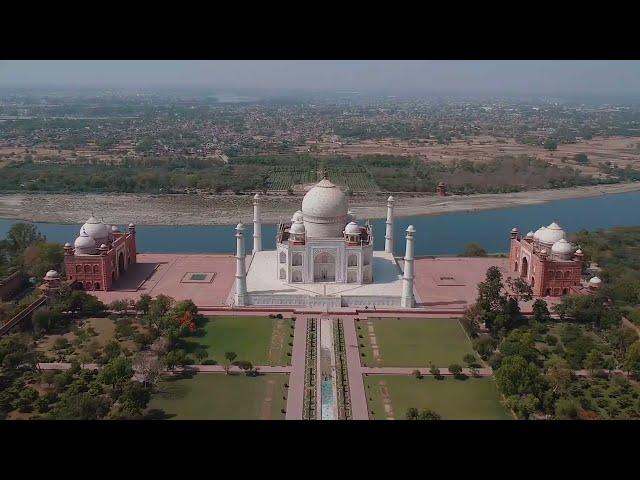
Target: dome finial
325 173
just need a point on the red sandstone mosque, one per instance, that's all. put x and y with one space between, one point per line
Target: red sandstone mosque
546 261
100 255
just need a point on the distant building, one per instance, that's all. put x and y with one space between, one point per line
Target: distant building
441 189
546 261
100 255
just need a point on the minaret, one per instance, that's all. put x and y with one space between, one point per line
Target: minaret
388 236
407 279
257 226
241 274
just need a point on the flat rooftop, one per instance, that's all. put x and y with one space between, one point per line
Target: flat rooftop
262 278
452 282
205 279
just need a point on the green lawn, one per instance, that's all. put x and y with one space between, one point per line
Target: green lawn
260 340
413 342
215 396
470 399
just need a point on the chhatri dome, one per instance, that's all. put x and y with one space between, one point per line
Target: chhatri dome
324 209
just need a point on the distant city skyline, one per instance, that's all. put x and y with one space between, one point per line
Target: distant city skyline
392 76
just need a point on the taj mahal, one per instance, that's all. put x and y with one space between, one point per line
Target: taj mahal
324 258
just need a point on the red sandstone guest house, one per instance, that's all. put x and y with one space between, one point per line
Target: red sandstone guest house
100 255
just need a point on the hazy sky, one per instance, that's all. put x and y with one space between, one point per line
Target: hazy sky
534 77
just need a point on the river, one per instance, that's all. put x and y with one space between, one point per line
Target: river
436 235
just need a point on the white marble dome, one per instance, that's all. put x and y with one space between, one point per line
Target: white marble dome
538 232
297 217
96 229
550 234
84 244
530 234
352 228
324 208
562 248
52 275
595 282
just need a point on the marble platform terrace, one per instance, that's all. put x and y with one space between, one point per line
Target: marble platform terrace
169 274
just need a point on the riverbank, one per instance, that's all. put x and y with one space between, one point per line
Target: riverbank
229 209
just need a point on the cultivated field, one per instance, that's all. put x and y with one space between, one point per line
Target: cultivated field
622 151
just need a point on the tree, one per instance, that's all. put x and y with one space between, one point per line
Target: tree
134 398
581 158
540 311
120 306
143 304
485 345
174 358
417 374
474 250
520 288
489 291
21 235
550 144
566 409
632 360
558 374
594 361
433 370
412 413
470 359
41 257
428 414
455 369
112 350
148 367
229 358
116 372
524 406
516 376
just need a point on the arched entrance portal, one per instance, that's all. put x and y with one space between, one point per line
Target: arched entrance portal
525 268
120 264
324 268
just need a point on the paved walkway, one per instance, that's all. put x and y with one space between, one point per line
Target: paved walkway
196 368
295 395
359 408
481 372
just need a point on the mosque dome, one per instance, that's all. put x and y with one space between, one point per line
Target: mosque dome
115 229
352 228
96 229
52 275
550 234
538 232
595 282
67 245
562 248
530 234
84 244
324 208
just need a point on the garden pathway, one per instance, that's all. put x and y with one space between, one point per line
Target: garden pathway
295 395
